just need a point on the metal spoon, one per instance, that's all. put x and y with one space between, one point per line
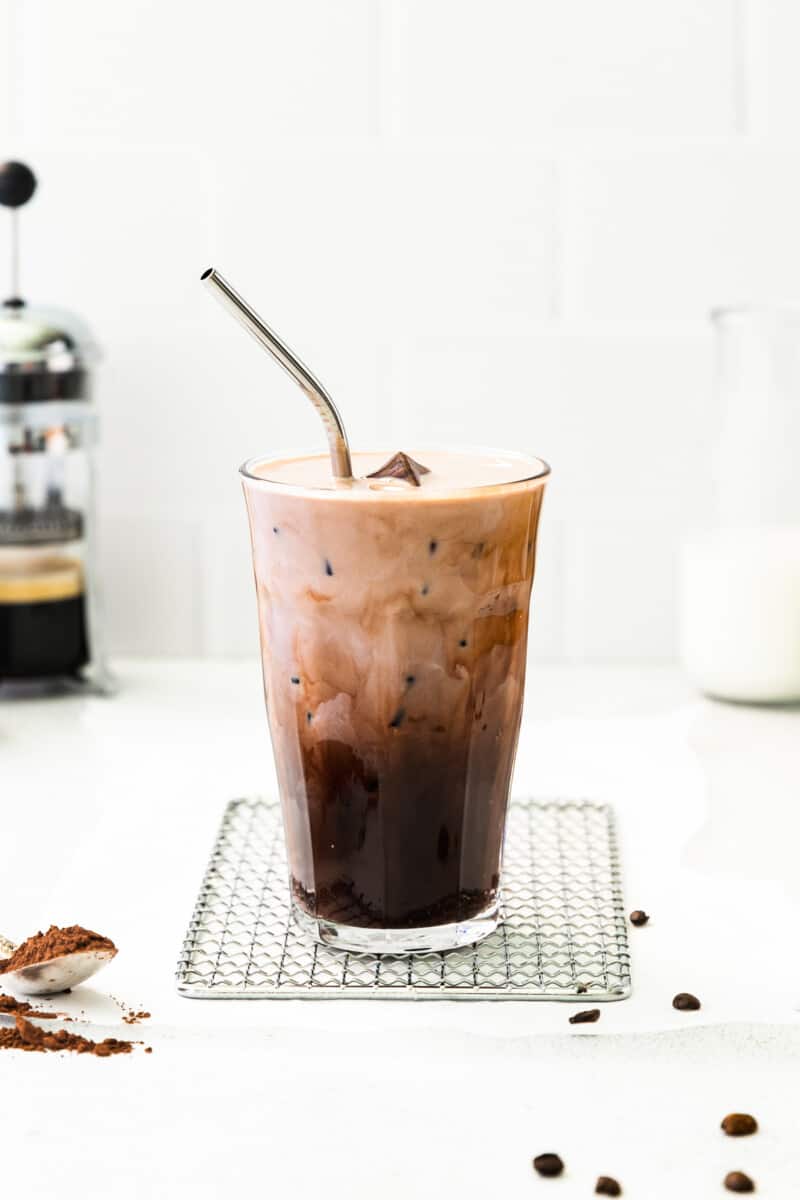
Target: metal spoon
54 975
238 307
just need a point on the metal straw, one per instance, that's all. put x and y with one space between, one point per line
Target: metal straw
266 337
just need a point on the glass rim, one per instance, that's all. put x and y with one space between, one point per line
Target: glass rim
247 472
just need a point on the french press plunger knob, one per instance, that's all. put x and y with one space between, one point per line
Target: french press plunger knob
17 185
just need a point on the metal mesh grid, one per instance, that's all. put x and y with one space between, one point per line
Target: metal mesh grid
562 935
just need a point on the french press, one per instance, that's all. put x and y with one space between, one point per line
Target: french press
49 633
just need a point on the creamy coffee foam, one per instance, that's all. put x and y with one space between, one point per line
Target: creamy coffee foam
448 471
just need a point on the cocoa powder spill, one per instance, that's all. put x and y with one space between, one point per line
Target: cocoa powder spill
53 944
29 1037
133 1018
12 1007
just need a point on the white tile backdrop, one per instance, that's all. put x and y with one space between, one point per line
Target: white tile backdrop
499 223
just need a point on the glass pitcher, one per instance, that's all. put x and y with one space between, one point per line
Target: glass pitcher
740 577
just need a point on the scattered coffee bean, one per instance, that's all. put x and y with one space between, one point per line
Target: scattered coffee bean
739 1124
397 719
686 1002
737 1181
548 1165
639 917
587 1017
328 567
606 1186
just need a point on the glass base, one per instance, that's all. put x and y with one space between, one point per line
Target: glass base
424 939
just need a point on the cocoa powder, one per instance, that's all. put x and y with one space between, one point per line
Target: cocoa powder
53 944
29 1037
12 1007
134 1018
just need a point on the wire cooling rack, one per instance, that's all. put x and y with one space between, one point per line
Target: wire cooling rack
562 935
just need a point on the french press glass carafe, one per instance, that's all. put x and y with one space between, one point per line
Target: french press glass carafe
49 635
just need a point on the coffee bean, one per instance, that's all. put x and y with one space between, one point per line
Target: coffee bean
587 1017
639 917
686 1002
606 1186
549 1165
737 1181
739 1124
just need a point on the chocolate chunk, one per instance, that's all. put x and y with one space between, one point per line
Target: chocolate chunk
587 1017
549 1165
397 719
401 466
739 1124
737 1181
606 1186
638 917
328 567
686 1002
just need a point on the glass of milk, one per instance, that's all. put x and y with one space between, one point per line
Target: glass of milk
740 577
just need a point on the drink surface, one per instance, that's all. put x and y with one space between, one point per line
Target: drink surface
394 638
447 471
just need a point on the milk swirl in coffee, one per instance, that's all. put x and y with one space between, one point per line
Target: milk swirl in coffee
393 618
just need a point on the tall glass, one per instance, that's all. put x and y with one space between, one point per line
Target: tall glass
393 624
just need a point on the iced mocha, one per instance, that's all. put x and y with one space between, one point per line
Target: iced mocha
393 617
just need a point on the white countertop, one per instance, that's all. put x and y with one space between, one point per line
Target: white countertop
359 1099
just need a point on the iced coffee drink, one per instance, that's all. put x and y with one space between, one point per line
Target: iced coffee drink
393 615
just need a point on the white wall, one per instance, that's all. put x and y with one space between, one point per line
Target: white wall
497 222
